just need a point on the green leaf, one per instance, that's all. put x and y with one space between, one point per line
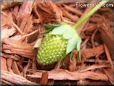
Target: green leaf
66 30
59 30
50 27
78 44
68 33
71 45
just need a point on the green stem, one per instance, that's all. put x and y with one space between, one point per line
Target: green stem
90 13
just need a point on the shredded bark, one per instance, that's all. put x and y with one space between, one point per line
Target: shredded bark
87 53
6 33
108 57
93 67
44 79
61 74
15 79
18 47
9 65
22 24
52 14
110 75
73 10
15 68
3 64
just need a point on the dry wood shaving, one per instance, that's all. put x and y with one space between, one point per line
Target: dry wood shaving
61 74
22 25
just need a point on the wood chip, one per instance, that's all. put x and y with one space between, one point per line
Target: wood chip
6 33
52 14
9 65
5 82
15 68
6 19
93 67
18 47
15 79
44 79
3 64
25 9
73 18
108 56
26 68
61 74
73 10
110 73
87 53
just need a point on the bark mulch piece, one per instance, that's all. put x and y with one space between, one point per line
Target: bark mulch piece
21 27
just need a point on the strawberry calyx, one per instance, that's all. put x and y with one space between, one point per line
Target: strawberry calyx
70 34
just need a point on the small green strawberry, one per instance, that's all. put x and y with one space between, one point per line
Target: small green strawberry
52 49
62 40
57 44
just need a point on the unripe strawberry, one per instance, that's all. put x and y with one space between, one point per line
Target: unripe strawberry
52 49
55 45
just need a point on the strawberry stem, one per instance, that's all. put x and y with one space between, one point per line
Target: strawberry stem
90 13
